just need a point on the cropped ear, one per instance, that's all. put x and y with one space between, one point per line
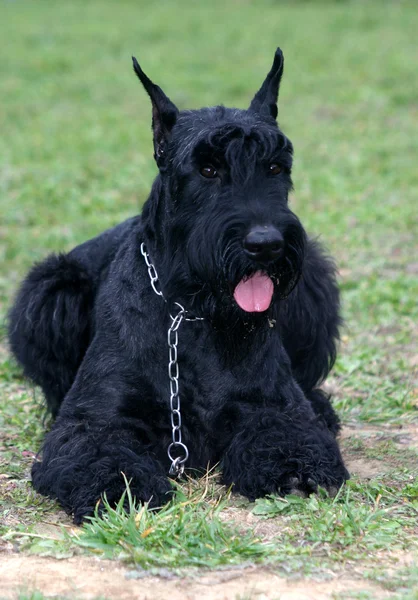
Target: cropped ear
164 114
265 100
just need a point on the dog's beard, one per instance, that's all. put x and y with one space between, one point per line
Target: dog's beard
205 284
291 266
216 280
243 295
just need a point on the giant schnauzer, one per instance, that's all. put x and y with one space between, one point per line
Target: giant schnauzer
214 295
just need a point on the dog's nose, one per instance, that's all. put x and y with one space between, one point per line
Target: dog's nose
263 243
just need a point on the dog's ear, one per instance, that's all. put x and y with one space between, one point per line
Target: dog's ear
164 114
265 100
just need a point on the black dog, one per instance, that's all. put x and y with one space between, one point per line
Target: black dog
219 260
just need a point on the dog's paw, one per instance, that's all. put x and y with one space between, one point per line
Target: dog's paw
154 497
284 462
303 476
83 483
305 486
299 484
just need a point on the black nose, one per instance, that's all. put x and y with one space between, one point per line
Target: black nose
263 243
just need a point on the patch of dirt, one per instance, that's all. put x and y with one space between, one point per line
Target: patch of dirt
365 468
405 435
370 451
86 578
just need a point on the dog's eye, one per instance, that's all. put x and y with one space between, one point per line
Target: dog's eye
274 169
208 171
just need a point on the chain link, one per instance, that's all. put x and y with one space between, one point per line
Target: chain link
151 271
177 446
177 463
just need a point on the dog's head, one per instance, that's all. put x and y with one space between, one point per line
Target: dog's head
218 220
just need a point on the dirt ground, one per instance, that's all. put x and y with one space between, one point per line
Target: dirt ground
85 578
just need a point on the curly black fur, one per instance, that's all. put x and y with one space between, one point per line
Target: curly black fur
88 328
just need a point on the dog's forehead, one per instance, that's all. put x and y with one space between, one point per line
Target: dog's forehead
197 125
218 115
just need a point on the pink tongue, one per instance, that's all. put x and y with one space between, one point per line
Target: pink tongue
255 293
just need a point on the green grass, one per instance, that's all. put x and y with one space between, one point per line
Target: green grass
310 537
359 520
187 532
76 157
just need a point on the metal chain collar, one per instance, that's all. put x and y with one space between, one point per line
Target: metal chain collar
177 462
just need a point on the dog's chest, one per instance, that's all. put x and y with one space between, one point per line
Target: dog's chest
211 376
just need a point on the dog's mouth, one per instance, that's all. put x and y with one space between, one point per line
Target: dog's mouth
254 293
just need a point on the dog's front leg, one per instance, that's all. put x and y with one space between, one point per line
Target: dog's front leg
107 428
282 451
83 461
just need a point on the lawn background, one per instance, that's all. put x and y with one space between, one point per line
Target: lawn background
76 157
